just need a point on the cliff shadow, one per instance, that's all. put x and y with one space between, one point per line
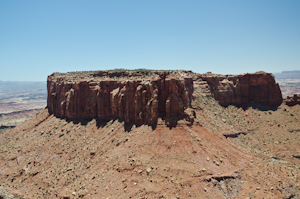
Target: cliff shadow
100 123
154 126
127 127
82 121
258 106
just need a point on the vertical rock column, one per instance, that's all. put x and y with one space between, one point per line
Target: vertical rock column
141 102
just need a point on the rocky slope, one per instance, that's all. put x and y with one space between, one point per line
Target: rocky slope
110 161
228 151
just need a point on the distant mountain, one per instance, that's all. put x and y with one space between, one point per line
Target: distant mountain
295 74
18 87
291 71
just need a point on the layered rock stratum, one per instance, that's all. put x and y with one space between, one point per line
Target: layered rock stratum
139 97
143 96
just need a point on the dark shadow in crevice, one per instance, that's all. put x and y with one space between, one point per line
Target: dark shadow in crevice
154 126
172 122
101 123
128 127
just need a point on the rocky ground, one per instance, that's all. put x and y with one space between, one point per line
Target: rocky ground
228 152
257 158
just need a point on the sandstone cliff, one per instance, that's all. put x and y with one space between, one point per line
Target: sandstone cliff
144 96
241 89
139 97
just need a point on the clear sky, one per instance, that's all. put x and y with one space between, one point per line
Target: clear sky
38 37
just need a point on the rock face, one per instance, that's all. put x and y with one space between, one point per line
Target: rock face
241 89
101 95
144 96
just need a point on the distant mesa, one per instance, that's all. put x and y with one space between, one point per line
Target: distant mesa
295 74
142 96
293 71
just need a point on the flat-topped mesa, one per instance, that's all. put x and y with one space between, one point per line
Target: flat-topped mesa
140 97
143 96
241 89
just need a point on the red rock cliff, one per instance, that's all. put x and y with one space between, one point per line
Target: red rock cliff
144 96
241 89
139 97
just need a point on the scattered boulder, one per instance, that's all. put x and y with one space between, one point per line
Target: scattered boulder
292 101
296 155
232 133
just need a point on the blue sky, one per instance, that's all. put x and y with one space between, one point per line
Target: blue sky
38 38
